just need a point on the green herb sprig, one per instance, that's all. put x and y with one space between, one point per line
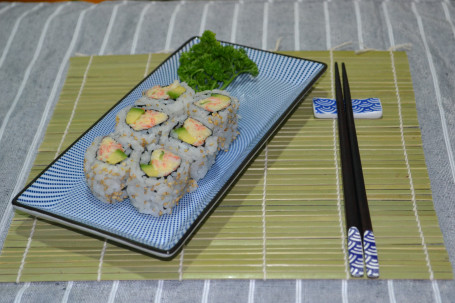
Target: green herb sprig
209 65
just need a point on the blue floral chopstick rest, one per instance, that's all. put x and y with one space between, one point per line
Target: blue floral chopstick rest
370 108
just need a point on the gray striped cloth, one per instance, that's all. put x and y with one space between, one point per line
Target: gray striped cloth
36 41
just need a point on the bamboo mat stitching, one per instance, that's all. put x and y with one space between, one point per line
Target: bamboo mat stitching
335 144
411 183
264 230
392 58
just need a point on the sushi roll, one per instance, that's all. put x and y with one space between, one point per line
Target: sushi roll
194 141
107 166
218 110
161 147
141 123
158 180
170 99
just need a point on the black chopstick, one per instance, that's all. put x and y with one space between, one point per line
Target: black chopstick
353 223
358 220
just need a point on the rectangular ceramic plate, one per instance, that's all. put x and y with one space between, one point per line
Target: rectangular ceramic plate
60 193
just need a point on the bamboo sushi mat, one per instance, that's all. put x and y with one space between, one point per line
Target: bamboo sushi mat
284 218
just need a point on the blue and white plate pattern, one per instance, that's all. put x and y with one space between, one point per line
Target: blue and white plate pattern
60 193
369 108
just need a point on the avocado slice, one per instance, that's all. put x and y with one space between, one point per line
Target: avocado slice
149 170
134 114
117 156
221 97
176 92
214 103
184 135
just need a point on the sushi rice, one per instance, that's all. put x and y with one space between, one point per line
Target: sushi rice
222 122
166 104
150 132
156 195
108 181
201 157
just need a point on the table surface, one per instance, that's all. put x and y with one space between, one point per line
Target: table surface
37 39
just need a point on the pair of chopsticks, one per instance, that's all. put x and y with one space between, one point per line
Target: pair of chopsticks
361 241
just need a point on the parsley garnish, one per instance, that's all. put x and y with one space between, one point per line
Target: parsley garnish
209 65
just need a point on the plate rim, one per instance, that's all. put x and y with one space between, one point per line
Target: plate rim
192 229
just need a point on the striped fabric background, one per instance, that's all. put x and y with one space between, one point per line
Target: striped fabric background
37 40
